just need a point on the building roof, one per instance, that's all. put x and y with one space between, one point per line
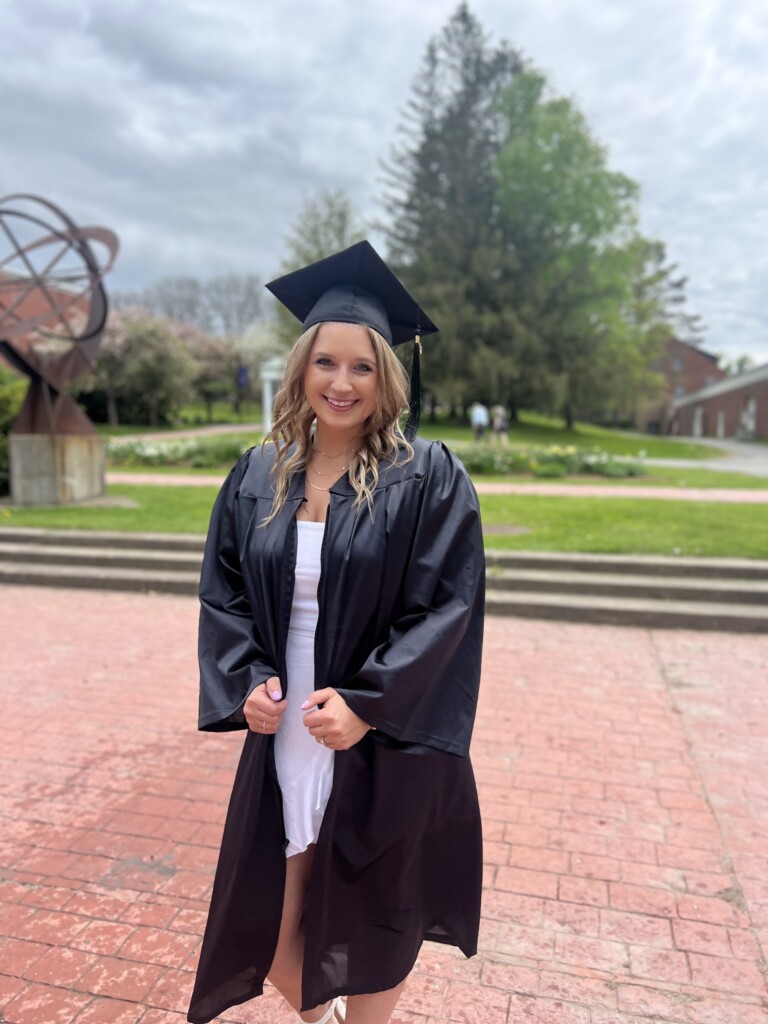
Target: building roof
697 349
757 375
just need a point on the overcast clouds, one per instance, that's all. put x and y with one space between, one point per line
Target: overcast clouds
196 128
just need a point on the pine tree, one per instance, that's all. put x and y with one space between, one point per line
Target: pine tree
440 201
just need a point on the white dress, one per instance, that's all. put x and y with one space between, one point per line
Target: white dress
304 766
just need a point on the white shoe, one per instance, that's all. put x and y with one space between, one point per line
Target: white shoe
336 1012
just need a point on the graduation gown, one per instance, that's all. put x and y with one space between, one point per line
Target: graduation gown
399 636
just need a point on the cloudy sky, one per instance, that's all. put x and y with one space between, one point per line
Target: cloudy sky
196 128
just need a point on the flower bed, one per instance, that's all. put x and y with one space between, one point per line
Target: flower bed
551 462
198 453
547 462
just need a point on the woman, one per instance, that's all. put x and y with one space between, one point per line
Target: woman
341 623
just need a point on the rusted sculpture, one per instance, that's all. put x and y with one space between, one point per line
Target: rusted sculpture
53 307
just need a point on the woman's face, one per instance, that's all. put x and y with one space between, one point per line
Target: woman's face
341 379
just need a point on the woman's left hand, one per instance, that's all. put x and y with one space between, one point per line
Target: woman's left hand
335 725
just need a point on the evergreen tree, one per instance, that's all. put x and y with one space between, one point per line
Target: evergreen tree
440 201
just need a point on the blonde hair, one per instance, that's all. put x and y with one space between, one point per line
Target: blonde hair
293 418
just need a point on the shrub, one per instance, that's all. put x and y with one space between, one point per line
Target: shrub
553 462
12 391
199 453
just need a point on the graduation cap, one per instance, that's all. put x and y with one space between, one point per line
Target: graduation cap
356 286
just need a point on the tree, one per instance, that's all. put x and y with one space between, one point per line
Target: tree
143 372
326 223
216 369
740 364
158 371
519 239
226 305
440 201
586 284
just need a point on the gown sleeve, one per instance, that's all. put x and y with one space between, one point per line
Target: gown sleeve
420 686
232 657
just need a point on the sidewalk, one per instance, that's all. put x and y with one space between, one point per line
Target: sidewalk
622 775
552 490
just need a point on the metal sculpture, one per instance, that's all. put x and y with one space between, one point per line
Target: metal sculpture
53 307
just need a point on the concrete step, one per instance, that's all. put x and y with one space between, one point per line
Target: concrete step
152 559
103 538
727 594
100 578
656 565
662 588
645 612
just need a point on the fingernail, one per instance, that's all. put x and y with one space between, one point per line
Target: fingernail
276 695
304 706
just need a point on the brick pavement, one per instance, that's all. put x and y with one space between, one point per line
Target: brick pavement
622 776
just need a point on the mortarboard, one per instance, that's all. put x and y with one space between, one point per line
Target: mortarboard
356 286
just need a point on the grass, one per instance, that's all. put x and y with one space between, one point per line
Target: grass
534 429
159 509
192 415
554 524
656 476
626 526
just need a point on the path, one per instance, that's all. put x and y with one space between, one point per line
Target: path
622 782
552 490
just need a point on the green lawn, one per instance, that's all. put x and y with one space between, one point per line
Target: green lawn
627 526
192 415
656 476
159 509
553 524
535 430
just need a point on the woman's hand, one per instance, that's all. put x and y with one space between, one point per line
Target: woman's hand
264 707
335 725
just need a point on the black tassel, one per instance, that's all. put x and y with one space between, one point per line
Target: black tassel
414 414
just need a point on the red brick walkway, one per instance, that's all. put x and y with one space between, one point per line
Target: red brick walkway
623 783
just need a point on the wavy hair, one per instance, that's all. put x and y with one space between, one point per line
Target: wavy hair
293 419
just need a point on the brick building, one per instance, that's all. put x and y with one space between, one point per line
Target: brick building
685 369
734 407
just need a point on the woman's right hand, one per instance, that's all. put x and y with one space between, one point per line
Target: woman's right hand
265 707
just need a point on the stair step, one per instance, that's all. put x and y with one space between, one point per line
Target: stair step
664 588
100 578
656 565
103 538
711 594
645 612
150 558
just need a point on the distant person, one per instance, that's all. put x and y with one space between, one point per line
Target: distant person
500 424
478 417
342 601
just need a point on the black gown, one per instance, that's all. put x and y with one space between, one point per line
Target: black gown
399 636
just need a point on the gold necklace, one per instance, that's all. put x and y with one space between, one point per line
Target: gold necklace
327 472
337 455
318 488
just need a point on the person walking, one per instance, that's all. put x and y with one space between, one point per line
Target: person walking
341 622
479 420
500 424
